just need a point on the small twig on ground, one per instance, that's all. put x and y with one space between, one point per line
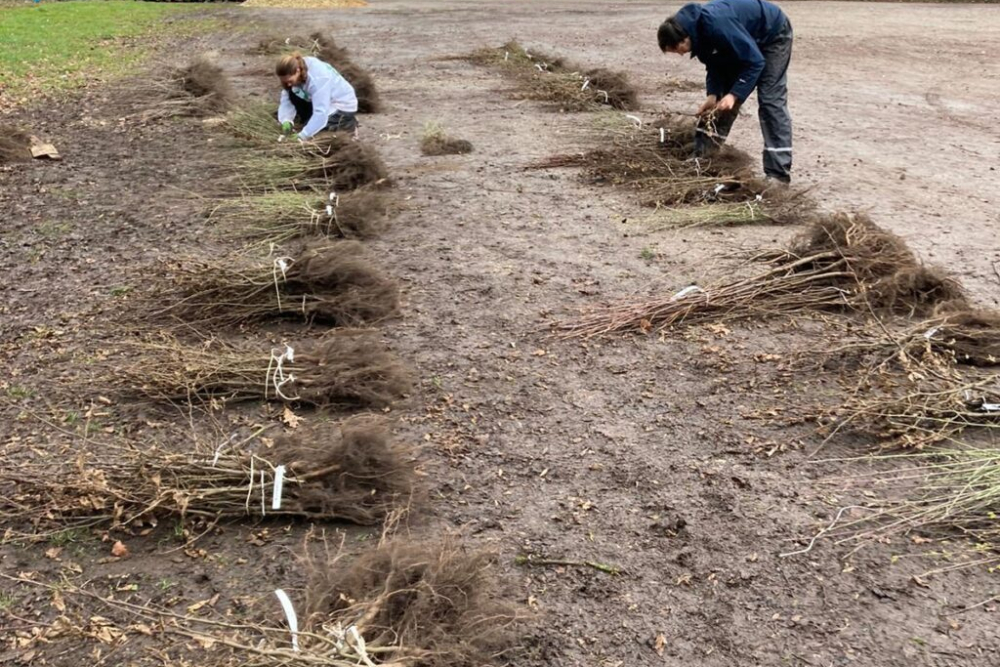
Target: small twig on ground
529 560
995 598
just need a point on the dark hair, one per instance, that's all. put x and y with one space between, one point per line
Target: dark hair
670 34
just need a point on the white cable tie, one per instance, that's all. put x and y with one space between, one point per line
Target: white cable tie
263 497
279 482
759 198
634 119
276 377
246 504
690 289
293 620
663 136
990 407
288 40
280 264
506 56
607 99
539 67
719 188
585 84
930 332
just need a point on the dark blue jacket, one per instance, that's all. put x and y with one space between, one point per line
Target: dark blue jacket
727 35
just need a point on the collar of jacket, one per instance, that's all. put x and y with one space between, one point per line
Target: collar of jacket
688 17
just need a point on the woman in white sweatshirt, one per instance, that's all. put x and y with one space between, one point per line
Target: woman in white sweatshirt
317 94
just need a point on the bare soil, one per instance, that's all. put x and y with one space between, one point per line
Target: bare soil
681 461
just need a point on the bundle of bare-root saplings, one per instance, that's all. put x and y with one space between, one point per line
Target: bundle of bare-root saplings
352 471
553 80
200 89
840 262
346 368
332 282
660 164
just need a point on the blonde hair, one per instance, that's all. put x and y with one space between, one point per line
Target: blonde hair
290 64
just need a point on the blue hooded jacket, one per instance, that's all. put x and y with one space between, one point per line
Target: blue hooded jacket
727 35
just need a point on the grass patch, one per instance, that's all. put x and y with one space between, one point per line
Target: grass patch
54 47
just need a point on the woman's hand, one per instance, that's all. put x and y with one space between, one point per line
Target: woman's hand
708 106
727 103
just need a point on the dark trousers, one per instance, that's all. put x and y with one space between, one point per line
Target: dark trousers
339 120
772 101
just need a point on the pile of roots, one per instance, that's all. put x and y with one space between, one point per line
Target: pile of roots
436 142
932 401
15 145
200 89
967 336
550 79
275 218
659 162
407 603
347 368
332 282
839 263
352 472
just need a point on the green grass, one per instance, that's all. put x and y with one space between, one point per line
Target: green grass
47 48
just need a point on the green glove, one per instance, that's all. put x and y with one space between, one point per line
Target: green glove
286 127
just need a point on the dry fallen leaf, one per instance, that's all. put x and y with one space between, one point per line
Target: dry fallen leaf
119 550
198 605
659 644
290 418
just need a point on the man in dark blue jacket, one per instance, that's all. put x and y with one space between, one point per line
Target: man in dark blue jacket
744 44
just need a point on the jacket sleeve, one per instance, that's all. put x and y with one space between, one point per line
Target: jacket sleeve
320 93
734 38
713 82
286 110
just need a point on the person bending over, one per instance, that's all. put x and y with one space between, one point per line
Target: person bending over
744 45
316 94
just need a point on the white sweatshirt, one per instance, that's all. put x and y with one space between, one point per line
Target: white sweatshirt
328 91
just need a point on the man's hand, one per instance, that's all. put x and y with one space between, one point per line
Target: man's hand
727 103
286 127
708 106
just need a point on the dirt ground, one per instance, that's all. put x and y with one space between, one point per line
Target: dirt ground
681 461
